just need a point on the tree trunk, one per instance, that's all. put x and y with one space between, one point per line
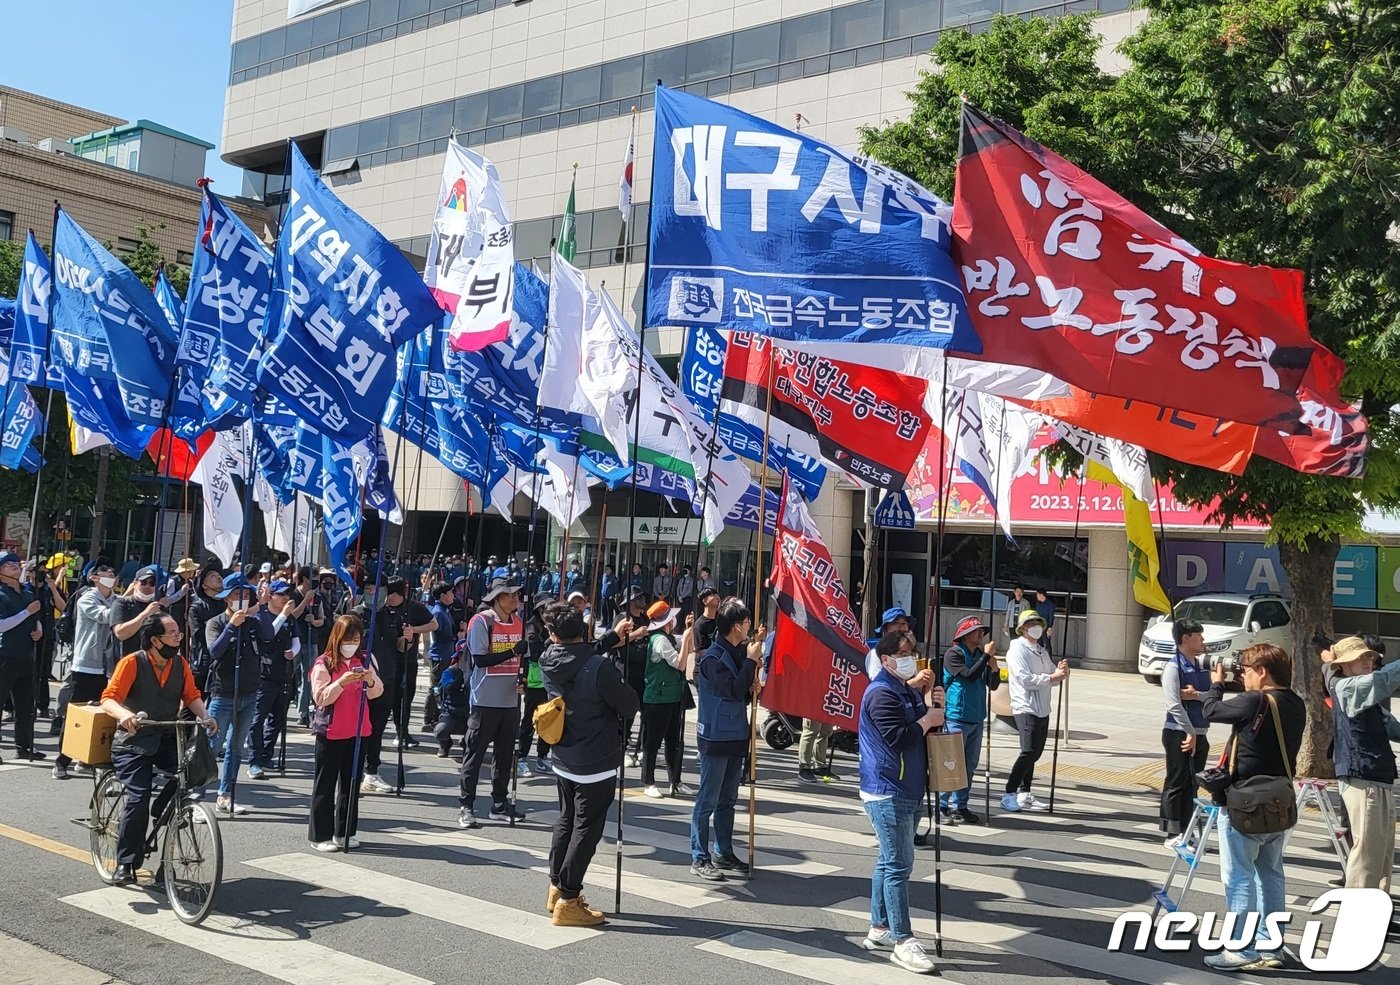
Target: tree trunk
1309 569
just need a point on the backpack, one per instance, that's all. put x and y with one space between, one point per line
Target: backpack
67 622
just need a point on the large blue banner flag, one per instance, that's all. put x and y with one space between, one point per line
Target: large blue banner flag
764 230
702 379
7 323
225 321
29 347
344 299
107 326
442 427
22 422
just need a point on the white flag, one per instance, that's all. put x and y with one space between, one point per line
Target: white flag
991 442
624 186
564 494
223 512
1126 461
471 253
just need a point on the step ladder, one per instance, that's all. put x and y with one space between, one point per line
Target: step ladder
1313 793
1193 846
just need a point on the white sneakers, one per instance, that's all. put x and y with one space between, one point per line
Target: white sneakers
653 792
1028 802
1009 803
374 783
909 955
326 846
354 843
878 939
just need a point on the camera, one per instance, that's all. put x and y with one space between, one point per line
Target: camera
1228 662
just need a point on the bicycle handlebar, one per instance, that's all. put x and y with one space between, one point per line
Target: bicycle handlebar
142 721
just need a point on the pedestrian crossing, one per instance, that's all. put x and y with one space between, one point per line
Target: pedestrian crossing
1004 886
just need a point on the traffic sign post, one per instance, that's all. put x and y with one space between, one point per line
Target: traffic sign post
895 512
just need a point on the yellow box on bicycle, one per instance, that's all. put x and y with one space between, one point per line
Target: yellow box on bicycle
87 734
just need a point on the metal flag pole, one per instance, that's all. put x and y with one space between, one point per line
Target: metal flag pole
1062 699
936 586
48 409
405 699
991 607
757 601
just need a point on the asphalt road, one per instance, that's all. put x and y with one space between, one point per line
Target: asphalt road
1032 896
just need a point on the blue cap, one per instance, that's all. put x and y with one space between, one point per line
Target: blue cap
9 557
149 571
891 615
279 587
233 583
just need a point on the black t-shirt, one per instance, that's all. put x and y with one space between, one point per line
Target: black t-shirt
124 609
1252 721
704 630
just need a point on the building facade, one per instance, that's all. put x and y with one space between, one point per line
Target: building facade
371 89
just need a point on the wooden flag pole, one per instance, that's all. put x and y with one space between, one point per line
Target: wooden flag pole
757 611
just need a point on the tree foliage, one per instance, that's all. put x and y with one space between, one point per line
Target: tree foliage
1262 131
11 262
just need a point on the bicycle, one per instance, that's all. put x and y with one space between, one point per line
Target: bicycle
192 851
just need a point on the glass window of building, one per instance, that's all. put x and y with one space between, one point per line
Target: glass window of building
503 105
437 121
803 37
7 226
621 79
906 18
541 96
581 87
756 47
325 28
403 127
374 135
709 58
860 24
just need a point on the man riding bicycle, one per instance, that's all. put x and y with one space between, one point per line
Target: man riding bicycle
155 680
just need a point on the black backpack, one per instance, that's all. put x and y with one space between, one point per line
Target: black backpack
67 622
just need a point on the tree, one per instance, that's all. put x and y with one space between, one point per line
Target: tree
1260 130
11 263
147 258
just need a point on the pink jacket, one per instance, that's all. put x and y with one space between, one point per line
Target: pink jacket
343 696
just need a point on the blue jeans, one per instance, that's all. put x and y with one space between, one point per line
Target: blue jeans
972 753
234 727
894 820
1251 867
719 792
303 664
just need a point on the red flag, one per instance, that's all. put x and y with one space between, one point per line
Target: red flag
1065 274
822 674
869 422
174 456
807 680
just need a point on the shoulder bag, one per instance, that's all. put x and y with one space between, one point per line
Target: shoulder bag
1263 805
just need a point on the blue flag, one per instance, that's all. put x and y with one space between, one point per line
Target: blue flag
107 326
225 320
340 502
444 428
764 230
702 379
29 348
97 406
344 299
379 493
169 302
22 422
7 322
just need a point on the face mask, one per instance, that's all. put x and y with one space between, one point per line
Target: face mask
905 667
349 649
1035 632
107 583
145 595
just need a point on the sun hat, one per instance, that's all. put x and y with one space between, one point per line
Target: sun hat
968 625
660 615
1348 649
1028 617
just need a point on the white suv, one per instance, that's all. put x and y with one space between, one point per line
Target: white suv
1231 623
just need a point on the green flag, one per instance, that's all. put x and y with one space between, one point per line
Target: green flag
568 232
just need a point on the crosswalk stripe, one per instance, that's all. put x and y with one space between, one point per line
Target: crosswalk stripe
639 834
6 767
1031 892
1292 869
601 873
769 824
808 962
468 912
1058 951
269 951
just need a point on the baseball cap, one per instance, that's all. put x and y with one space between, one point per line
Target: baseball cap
279 587
234 583
9 557
892 614
576 594
149 571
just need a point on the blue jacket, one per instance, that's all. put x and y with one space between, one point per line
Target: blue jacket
443 642
724 678
893 754
967 679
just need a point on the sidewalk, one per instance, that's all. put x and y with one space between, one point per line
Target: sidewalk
24 964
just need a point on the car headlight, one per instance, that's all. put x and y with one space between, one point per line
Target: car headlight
1145 643
1219 647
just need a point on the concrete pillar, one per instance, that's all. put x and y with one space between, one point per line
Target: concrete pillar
1115 620
832 512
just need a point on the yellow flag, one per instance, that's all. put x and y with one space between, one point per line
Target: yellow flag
1142 544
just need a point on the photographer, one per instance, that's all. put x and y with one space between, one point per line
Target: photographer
1184 736
1359 688
1251 865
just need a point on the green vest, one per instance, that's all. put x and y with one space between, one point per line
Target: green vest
663 682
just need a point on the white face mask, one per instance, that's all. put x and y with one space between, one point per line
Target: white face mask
107 583
1035 632
905 667
144 595
349 649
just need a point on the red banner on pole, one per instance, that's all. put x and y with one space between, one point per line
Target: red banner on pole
868 422
810 681
1064 274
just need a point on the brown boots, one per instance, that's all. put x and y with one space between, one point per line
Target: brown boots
553 898
575 912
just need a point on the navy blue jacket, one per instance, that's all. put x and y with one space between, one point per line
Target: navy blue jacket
893 754
724 678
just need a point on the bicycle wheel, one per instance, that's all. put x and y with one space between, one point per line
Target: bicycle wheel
103 822
192 858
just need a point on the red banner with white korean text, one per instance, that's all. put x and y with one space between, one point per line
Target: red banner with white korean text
806 585
868 422
1064 274
808 680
